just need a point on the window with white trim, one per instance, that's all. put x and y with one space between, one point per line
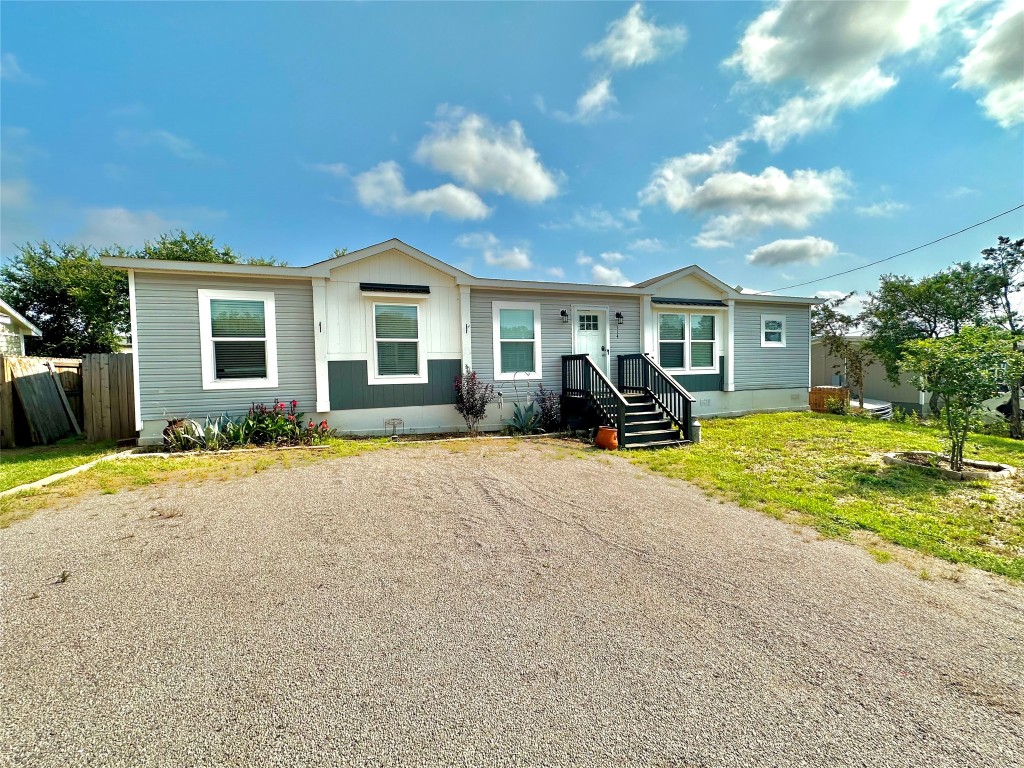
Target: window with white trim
396 338
687 343
238 339
517 349
773 330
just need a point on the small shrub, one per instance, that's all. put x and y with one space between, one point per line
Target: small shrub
525 419
550 404
472 396
837 405
264 425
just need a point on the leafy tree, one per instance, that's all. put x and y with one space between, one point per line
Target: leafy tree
835 328
79 305
1005 265
965 369
182 246
904 310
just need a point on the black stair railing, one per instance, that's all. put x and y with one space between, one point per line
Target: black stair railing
639 373
581 378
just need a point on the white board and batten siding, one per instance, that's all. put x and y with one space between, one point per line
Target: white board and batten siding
349 310
168 346
758 367
556 336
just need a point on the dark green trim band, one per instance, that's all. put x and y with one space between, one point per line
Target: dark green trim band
350 389
704 382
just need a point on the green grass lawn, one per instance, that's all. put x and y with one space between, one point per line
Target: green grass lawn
25 465
827 471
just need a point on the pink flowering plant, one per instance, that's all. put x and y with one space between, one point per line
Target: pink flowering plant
279 424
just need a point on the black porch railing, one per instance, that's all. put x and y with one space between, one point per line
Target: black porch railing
581 378
639 373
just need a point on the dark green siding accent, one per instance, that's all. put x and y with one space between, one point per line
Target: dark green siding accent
705 382
350 389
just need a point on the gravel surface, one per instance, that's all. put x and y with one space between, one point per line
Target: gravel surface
494 604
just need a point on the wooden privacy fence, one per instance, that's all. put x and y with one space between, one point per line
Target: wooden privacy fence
45 399
108 392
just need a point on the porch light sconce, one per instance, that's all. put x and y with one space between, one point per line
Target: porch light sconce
619 318
565 316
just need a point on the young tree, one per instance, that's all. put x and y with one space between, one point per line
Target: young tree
965 369
835 328
904 310
1004 264
472 397
79 305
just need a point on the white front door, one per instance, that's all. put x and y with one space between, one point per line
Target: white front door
591 334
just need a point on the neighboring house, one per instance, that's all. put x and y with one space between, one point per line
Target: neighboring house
14 327
381 333
828 370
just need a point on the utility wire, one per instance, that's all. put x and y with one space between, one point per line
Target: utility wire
895 255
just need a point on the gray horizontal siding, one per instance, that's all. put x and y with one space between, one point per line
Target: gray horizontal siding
758 367
170 366
556 336
704 382
350 388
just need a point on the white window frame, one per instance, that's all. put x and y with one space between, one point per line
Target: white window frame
209 366
716 353
537 373
421 355
765 319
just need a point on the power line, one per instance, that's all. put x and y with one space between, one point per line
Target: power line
894 256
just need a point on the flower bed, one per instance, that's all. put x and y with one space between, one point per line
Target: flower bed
276 425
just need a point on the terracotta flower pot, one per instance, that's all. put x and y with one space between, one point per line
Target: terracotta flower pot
607 438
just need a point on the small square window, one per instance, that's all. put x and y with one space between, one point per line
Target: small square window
773 331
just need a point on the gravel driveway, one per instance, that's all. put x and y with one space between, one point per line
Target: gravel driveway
493 604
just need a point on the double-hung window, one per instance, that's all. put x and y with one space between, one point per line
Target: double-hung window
238 339
773 330
396 342
687 342
517 343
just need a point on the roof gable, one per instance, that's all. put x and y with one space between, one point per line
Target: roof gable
323 268
19 319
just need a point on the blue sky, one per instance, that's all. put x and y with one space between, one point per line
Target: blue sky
599 142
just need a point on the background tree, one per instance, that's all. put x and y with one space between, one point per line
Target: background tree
966 369
835 328
79 305
904 309
1004 264
183 246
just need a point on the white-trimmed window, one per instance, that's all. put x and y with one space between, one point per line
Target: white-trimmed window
517 352
688 342
773 330
397 344
238 339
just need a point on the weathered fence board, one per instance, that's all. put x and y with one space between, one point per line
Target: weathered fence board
40 400
108 396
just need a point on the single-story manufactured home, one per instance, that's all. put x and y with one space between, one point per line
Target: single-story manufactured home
375 338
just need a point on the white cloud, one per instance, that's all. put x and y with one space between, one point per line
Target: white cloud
178 146
633 40
958 192
883 210
833 52
672 181
806 250
647 245
108 226
382 190
495 253
15 193
603 275
332 169
749 202
583 260
612 257
852 306
487 157
556 272
11 71
597 218
592 103
805 114
995 65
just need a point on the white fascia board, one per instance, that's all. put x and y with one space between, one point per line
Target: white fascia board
768 298
323 268
204 267
539 285
20 319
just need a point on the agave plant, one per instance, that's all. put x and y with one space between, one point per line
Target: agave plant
525 419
